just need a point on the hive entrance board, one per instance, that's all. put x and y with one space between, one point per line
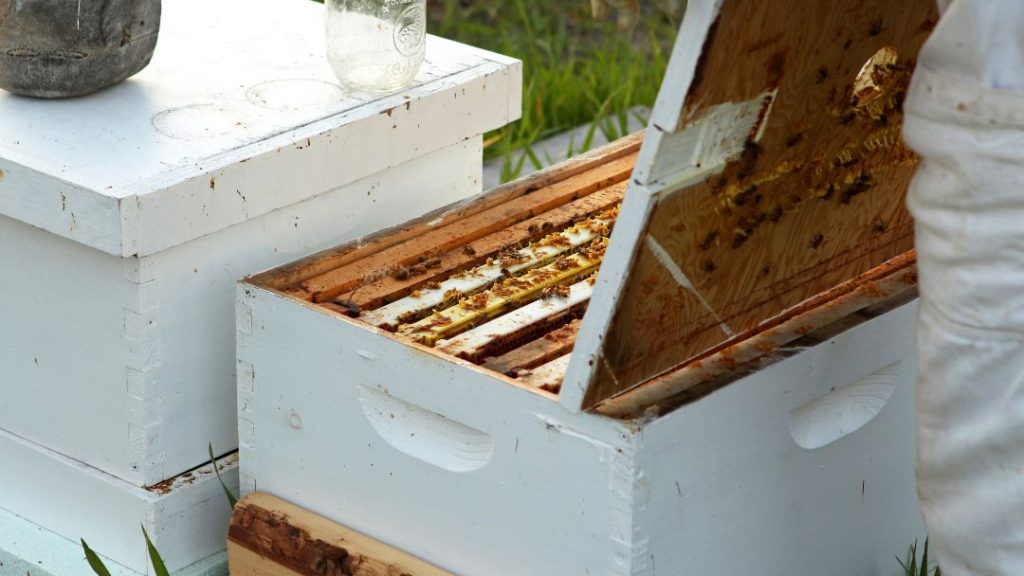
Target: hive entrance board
772 180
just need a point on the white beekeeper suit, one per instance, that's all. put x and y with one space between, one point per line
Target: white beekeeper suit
965 117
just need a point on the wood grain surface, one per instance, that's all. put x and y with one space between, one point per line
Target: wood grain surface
817 200
271 537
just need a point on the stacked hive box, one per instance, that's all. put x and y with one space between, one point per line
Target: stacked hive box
125 219
738 394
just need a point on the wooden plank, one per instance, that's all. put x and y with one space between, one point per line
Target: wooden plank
520 325
508 293
334 258
542 350
271 537
815 198
892 281
388 289
512 263
548 376
457 234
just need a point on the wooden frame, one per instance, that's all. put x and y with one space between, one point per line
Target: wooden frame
773 172
270 537
482 279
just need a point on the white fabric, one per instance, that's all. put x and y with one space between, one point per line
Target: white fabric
965 117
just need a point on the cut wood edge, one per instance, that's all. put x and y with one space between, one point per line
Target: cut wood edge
536 318
548 376
445 237
322 262
540 351
374 295
889 281
271 537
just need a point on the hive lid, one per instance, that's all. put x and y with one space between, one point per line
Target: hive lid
773 171
237 115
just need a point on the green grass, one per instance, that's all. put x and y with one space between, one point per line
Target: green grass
913 567
159 568
577 71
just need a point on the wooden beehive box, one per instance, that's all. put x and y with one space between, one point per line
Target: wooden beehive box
127 217
732 393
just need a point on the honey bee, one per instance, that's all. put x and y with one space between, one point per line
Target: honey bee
555 291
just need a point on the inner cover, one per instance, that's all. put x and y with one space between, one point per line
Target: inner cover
773 171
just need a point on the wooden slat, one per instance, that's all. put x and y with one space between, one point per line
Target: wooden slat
891 281
548 376
520 325
507 294
322 262
448 291
271 537
466 230
817 201
540 351
388 289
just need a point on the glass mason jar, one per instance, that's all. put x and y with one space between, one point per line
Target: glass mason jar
376 45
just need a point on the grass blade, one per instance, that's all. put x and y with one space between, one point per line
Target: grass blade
158 563
94 561
232 499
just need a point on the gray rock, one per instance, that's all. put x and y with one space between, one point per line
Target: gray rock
61 48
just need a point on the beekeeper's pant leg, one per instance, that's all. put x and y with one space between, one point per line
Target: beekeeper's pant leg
965 116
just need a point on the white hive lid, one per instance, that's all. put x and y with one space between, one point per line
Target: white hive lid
237 115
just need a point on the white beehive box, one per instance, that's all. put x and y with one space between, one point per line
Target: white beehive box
739 395
126 217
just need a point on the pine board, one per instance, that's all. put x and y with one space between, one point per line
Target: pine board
814 197
271 537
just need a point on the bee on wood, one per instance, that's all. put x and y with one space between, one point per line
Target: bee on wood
352 309
555 291
376 275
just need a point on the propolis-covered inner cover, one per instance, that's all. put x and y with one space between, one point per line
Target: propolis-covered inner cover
773 170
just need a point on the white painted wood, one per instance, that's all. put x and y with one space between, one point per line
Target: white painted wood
30 549
677 152
508 324
785 471
475 279
549 374
126 217
727 490
551 499
509 481
156 161
128 364
615 269
187 522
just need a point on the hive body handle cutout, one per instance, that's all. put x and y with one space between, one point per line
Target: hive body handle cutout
844 410
426 435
